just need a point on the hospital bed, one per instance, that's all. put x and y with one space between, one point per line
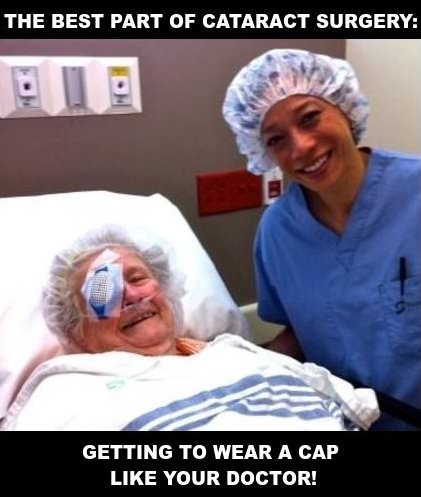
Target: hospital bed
35 228
263 332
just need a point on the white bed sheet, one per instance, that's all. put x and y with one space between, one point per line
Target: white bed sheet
230 385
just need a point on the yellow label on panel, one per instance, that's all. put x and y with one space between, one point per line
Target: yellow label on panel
119 71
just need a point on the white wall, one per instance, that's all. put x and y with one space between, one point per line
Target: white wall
389 72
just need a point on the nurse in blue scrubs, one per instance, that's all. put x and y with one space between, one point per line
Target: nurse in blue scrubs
337 257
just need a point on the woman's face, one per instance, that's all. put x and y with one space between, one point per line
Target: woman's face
310 140
146 328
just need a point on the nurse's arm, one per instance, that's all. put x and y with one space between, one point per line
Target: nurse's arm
286 343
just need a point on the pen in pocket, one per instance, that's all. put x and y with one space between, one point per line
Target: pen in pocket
400 305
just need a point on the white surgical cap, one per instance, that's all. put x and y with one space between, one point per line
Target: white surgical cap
278 74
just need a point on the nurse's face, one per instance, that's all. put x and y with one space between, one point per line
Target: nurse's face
145 323
310 140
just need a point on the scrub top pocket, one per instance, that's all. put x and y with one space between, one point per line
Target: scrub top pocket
402 315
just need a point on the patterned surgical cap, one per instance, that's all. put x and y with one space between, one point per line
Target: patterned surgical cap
278 74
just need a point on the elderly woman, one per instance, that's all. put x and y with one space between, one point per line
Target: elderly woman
337 258
115 304
106 293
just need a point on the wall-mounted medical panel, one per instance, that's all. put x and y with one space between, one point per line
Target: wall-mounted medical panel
24 87
73 82
118 89
68 86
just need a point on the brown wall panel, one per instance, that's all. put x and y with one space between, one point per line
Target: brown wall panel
179 134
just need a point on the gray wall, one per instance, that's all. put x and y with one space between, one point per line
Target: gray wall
395 111
179 134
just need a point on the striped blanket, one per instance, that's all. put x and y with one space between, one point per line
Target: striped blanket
230 385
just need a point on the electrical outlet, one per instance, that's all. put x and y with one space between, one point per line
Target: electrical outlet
227 191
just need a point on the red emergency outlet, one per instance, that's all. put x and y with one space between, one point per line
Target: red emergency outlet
274 188
227 191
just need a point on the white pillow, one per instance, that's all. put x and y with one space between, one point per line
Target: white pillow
34 229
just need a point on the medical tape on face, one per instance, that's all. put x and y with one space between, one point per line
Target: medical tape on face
103 287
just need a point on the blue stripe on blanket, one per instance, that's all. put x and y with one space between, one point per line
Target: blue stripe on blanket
255 395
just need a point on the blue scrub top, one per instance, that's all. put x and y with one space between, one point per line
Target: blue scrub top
339 293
